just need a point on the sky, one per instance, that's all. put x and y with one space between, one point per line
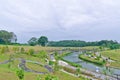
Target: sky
88 20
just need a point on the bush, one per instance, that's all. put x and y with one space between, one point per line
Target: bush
31 52
49 77
41 54
51 62
20 74
4 50
22 50
15 49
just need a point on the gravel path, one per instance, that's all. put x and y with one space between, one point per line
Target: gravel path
5 62
22 65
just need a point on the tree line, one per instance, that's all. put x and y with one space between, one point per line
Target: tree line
11 38
78 43
43 41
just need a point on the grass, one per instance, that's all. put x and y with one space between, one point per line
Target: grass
3 57
36 67
65 76
7 73
90 47
29 57
36 48
114 55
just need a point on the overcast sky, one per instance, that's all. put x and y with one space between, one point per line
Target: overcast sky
88 20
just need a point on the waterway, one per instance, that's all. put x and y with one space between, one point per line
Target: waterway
73 57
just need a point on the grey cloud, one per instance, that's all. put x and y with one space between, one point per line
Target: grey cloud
61 19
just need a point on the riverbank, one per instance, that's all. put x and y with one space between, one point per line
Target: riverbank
71 63
92 60
94 76
90 66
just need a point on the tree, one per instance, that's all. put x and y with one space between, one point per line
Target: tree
43 40
79 43
2 41
7 37
114 46
14 37
32 41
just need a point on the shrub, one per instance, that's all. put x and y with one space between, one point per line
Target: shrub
51 62
41 54
22 50
31 52
15 49
49 77
20 74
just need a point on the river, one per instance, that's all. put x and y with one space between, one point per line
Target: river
73 57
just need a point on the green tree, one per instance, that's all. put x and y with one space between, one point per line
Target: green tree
7 37
14 37
20 74
43 40
2 41
79 43
32 41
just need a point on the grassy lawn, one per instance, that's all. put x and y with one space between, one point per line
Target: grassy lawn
114 55
7 73
36 67
29 57
90 47
3 57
